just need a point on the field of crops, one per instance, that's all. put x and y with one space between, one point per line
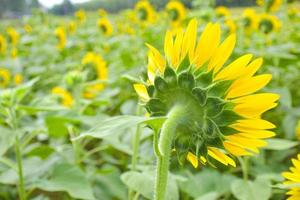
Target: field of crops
175 103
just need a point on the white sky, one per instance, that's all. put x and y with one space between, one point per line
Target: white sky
50 3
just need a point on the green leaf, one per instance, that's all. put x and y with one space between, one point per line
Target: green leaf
68 178
209 196
7 138
143 183
250 190
280 144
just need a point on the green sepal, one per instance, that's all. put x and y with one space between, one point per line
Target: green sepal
160 84
204 79
150 90
214 106
155 105
186 80
225 130
170 77
226 117
185 64
200 94
220 88
215 142
209 129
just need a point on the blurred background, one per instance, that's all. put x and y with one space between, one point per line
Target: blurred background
17 8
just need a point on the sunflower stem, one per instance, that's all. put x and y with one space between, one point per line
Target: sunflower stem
165 144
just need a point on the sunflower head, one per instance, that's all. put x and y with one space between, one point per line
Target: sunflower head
61 36
64 97
231 25
14 53
3 45
222 112
292 177
270 5
71 27
293 12
4 77
105 26
96 69
222 12
249 19
176 11
268 23
27 28
18 79
102 12
80 16
145 11
13 36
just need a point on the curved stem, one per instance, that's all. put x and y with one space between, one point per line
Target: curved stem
165 141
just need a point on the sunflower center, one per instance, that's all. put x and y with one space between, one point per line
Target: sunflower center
174 14
92 72
266 26
247 22
142 14
103 28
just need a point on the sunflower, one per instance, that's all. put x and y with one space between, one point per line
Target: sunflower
71 27
105 26
268 23
14 52
27 28
249 19
80 16
298 130
145 11
222 12
293 177
176 11
2 44
4 77
61 36
293 12
270 5
98 71
18 79
218 108
65 97
231 25
13 36
102 12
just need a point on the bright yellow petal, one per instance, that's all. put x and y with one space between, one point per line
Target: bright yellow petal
157 58
246 125
189 39
177 49
235 69
168 47
222 53
252 68
235 149
208 43
192 159
141 90
258 134
242 87
221 157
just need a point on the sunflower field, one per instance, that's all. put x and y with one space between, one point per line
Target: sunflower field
180 102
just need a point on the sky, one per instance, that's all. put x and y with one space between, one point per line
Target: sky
50 3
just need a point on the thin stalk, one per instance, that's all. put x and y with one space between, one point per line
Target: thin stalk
21 187
165 141
244 164
136 146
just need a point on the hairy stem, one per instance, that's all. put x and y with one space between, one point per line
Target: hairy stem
165 141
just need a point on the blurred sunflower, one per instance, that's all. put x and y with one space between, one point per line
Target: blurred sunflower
216 109
268 23
176 11
97 71
2 44
102 12
71 27
61 36
14 52
293 177
27 28
250 19
231 25
18 79
64 96
293 12
298 130
80 16
4 77
270 5
222 12
13 36
105 26
145 11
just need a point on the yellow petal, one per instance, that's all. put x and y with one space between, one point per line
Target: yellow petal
208 43
222 53
192 159
141 90
235 69
168 47
258 134
247 143
157 58
221 157
177 49
246 125
235 149
189 39
242 87
252 68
